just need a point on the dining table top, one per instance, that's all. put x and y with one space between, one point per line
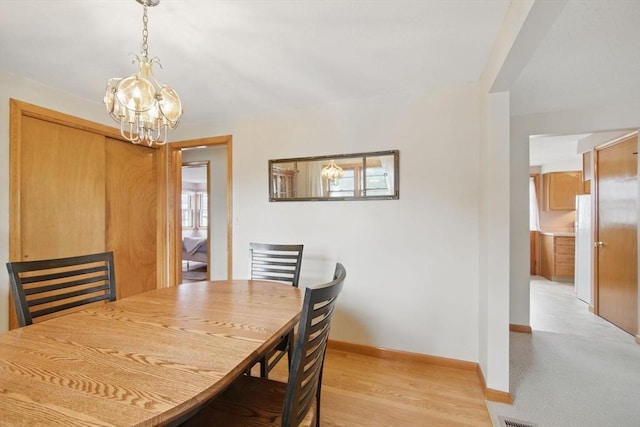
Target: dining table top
144 360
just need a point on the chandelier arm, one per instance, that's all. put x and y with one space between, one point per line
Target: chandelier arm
129 137
144 133
162 135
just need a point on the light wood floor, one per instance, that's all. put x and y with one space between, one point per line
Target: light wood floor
360 390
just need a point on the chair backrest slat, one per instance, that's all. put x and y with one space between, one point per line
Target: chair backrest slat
45 287
311 343
103 289
77 270
66 306
280 263
59 286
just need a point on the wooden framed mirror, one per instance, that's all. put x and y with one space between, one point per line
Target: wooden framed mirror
360 176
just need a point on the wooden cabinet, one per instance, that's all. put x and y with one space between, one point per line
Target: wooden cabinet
546 256
560 190
557 257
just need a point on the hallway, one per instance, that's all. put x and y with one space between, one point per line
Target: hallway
575 369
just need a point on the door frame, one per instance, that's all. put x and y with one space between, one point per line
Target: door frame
174 213
535 241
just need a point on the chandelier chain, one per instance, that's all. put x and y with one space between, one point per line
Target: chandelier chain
145 31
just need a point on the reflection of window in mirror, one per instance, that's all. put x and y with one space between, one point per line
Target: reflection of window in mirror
353 182
348 185
379 176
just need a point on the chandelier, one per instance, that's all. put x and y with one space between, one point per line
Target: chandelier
145 109
332 172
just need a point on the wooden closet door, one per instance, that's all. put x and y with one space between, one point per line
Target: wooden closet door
616 253
62 191
77 189
132 215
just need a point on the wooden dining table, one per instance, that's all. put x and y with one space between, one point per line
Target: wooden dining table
146 360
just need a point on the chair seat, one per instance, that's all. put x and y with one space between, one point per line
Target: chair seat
250 401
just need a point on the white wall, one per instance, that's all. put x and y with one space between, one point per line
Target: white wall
412 263
12 86
518 37
494 240
563 165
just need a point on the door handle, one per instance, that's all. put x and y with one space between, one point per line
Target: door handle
598 244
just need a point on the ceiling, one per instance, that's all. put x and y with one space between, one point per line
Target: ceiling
230 59
549 150
194 174
589 57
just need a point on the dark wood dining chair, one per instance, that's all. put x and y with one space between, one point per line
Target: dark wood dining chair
262 402
279 263
42 288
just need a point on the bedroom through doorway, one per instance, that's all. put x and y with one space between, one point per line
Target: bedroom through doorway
194 203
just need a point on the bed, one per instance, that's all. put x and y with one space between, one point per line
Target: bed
195 249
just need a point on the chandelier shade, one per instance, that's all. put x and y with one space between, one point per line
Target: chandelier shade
145 109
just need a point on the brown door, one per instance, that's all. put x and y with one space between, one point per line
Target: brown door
616 241
62 191
76 190
132 216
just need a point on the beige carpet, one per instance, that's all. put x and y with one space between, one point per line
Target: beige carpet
576 369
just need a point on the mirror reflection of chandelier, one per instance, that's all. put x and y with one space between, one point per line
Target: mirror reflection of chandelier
332 172
145 109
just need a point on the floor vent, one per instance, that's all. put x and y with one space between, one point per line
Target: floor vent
510 422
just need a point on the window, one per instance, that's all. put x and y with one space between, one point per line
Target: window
195 210
187 210
202 202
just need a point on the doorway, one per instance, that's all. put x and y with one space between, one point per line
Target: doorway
216 153
196 262
623 215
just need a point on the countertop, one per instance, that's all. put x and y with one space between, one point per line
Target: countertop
559 233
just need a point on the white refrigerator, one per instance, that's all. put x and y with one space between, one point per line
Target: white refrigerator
584 248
